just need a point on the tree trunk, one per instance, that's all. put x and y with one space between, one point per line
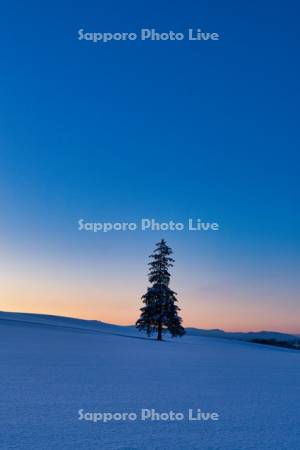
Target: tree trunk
159 332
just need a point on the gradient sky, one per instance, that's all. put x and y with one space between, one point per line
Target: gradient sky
169 130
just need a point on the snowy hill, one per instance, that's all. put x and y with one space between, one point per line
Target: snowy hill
52 367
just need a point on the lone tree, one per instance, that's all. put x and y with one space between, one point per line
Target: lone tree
160 311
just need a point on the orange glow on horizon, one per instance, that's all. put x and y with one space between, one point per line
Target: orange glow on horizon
119 317
47 290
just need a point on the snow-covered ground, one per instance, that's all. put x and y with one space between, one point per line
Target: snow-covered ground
52 367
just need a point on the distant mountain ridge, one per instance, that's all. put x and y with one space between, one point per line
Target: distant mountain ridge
244 336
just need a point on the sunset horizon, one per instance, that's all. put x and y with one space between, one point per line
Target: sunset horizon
110 320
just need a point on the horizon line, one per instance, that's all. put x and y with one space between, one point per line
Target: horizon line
132 324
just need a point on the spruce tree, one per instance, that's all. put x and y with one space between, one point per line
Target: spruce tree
160 312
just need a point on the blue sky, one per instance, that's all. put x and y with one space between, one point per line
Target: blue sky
171 130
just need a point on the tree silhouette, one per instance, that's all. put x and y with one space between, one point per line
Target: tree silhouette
160 312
